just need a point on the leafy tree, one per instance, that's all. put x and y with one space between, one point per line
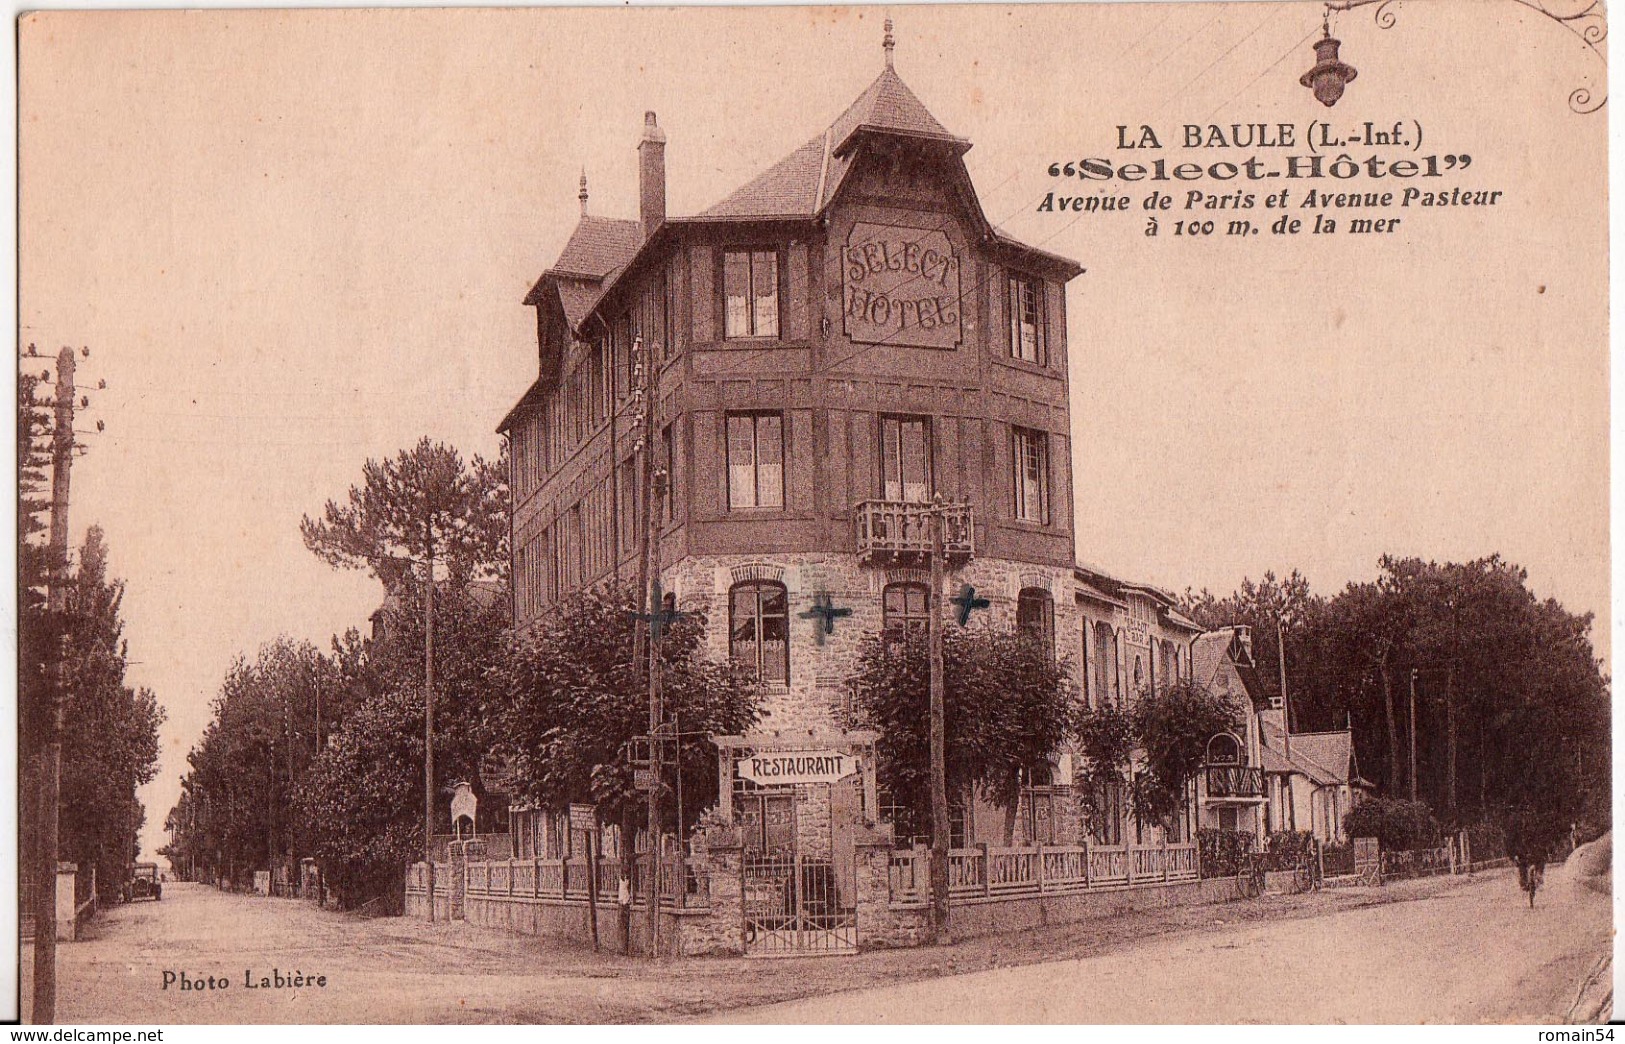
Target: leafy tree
1366 640
1512 705
38 631
1106 739
575 694
1172 728
361 797
423 507
263 738
1268 604
1008 705
361 803
305 746
110 737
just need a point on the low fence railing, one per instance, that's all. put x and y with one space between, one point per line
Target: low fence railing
986 871
417 877
1417 862
569 879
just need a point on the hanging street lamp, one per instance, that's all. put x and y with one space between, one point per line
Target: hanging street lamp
1330 75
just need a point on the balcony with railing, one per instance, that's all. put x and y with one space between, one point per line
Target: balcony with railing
895 532
1234 781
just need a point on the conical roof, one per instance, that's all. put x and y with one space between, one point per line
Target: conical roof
803 183
888 106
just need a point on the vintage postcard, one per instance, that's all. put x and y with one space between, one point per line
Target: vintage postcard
1080 513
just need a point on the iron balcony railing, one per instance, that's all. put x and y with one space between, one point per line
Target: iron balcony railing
1241 781
895 532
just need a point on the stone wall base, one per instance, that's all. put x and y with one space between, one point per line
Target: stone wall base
707 931
683 933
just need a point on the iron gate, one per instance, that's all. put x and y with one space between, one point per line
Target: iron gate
793 907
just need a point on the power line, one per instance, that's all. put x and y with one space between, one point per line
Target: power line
1269 69
1209 66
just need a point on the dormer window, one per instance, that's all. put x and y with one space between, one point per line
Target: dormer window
750 290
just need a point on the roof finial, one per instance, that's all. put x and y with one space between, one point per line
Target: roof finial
889 43
583 196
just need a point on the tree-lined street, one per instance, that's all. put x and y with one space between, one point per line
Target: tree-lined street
1438 950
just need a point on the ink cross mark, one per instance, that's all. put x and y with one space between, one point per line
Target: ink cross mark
967 601
658 616
825 611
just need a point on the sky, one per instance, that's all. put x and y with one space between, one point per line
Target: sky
297 240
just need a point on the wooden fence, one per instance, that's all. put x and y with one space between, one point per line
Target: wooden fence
988 872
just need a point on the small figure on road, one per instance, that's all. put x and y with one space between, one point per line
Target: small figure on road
1527 844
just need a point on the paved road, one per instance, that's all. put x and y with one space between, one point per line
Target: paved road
1450 950
388 970
1476 953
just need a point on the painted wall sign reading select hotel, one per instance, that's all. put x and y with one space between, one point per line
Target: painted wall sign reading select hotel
785 767
902 286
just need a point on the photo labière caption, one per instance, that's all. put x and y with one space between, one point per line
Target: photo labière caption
1245 180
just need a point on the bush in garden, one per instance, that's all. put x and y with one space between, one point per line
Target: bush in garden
1397 825
1223 850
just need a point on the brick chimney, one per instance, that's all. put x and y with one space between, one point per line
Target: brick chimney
651 176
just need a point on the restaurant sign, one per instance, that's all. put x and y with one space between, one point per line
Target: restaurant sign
901 286
784 767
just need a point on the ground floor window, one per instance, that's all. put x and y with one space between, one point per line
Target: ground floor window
1044 808
767 822
903 610
759 629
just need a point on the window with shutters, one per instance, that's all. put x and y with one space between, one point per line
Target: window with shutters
1030 457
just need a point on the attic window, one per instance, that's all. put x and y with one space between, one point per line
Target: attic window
750 288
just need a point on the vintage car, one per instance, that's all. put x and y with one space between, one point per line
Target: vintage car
143 883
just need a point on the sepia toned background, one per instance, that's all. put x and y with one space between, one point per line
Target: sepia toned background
296 240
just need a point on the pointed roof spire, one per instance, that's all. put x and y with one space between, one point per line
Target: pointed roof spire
889 43
583 195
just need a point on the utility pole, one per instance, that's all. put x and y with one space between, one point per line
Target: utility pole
1286 704
939 782
1413 733
428 715
648 576
657 736
1450 741
51 760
